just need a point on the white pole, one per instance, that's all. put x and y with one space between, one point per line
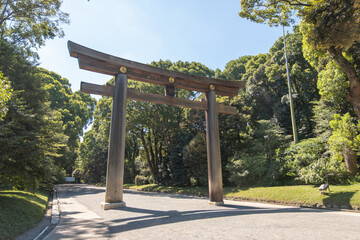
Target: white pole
293 122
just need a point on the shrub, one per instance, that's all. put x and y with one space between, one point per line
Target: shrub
246 170
60 176
141 180
195 159
345 141
77 174
305 163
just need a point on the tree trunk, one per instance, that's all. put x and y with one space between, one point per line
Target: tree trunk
152 170
150 152
350 161
353 95
134 154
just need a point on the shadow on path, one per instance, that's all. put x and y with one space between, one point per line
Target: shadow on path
72 190
156 218
132 218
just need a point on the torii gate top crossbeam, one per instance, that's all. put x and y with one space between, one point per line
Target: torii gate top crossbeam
95 61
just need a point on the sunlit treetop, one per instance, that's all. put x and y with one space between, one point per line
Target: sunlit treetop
273 12
331 23
325 23
28 23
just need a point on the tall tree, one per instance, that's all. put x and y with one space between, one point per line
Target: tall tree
266 85
344 141
94 147
31 134
161 128
330 26
28 23
76 110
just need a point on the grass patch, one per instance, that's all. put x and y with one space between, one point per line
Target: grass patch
304 195
193 191
19 211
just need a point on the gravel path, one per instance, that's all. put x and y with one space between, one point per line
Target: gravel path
158 216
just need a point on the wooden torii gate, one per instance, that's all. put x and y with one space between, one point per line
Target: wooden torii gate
122 69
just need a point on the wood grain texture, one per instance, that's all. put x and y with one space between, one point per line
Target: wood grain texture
213 150
92 60
116 149
154 98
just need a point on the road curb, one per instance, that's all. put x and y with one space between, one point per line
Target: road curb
55 216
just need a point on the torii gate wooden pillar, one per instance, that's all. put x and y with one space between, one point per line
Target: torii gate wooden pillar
122 69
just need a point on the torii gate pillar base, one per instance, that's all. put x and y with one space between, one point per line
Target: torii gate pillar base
106 206
216 203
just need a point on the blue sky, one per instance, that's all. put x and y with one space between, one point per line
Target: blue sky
205 31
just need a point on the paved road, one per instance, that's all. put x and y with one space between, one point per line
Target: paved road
157 216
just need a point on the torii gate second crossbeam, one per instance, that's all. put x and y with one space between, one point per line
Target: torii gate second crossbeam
122 69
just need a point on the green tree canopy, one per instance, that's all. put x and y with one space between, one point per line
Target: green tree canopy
28 23
330 26
333 85
272 12
266 84
344 141
331 23
31 134
75 108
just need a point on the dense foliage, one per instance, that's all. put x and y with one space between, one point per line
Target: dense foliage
42 120
167 145
38 136
28 24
